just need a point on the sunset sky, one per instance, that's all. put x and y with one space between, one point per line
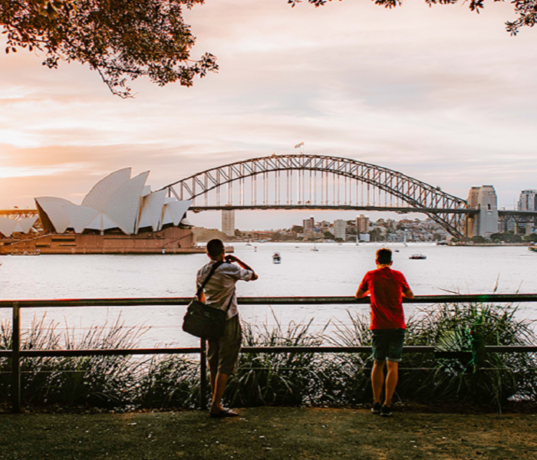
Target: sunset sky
441 94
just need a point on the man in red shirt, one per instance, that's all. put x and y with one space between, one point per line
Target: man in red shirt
387 288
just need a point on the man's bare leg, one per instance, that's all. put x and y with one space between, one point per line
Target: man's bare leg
213 381
218 391
391 381
377 380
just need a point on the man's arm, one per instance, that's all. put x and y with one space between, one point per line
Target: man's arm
408 294
360 294
230 259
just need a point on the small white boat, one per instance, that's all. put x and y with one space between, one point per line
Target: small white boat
314 248
276 258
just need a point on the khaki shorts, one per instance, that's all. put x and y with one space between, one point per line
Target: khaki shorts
223 354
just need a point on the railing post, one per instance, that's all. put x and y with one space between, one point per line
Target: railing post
15 359
203 376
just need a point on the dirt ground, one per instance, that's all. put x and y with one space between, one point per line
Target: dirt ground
268 433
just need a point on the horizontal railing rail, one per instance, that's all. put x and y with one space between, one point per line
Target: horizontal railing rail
17 352
312 300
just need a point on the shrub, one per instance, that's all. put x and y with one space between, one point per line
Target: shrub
288 378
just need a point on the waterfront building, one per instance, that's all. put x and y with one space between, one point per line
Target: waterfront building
120 214
228 222
527 201
362 224
340 229
308 225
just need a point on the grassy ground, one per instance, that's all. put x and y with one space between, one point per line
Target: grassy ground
268 433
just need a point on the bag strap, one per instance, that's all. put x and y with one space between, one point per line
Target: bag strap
211 273
230 300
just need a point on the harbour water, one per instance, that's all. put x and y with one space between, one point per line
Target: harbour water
333 270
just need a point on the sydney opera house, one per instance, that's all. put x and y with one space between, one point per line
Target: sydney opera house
120 215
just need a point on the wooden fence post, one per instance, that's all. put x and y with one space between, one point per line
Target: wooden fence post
203 376
15 359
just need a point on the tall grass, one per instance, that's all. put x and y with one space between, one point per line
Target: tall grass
472 376
287 378
84 380
481 378
283 378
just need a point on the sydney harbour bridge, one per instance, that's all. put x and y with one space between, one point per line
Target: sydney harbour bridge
325 182
319 182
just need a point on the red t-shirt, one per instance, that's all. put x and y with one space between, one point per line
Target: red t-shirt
386 287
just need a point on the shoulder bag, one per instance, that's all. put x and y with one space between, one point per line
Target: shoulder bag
203 321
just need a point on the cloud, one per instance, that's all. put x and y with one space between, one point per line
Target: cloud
440 94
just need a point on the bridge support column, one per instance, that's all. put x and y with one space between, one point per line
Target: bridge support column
529 228
486 222
516 230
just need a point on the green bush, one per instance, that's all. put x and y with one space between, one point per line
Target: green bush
283 378
287 378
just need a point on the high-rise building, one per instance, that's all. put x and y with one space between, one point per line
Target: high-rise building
528 200
309 225
340 229
362 224
228 222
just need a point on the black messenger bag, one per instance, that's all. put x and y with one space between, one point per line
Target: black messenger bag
203 321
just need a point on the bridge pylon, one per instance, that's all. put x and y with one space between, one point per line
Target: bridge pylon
486 221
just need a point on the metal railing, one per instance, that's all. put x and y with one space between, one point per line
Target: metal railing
16 353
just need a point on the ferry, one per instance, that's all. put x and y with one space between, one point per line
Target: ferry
418 257
533 248
276 258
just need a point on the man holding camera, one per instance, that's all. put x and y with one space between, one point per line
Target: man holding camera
220 293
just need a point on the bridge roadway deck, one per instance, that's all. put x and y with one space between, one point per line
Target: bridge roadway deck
339 207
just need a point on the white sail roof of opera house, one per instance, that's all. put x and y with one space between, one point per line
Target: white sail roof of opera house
10 226
116 202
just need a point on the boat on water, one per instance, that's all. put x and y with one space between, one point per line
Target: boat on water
533 248
418 257
314 248
276 258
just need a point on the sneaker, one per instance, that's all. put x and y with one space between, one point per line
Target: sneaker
386 411
376 408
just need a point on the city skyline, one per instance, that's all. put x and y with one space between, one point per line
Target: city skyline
440 94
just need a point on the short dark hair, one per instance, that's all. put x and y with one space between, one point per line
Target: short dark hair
384 256
215 248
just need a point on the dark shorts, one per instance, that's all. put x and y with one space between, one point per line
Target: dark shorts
388 344
223 355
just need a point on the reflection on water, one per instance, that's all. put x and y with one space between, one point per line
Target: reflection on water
334 270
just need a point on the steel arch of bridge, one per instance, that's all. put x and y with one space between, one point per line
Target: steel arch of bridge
447 210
